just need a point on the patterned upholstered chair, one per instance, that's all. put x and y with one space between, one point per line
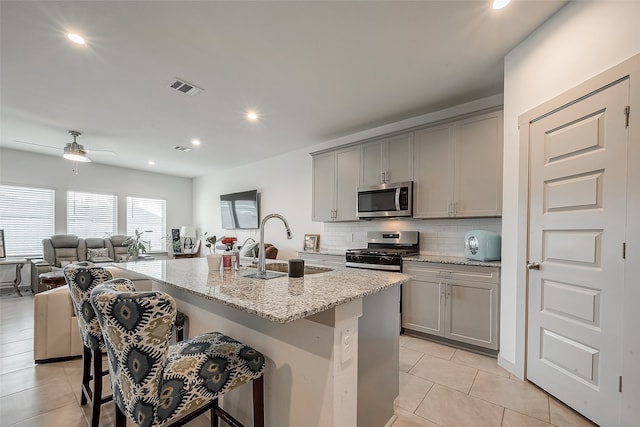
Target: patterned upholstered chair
155 383
81 278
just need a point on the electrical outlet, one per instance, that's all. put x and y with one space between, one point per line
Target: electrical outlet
346 338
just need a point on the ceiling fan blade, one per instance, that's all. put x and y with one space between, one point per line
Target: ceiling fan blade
91 151
38 145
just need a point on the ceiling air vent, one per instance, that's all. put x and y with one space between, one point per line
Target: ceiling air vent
181 148
184 87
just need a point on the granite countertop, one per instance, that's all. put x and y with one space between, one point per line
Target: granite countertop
451 260
282 299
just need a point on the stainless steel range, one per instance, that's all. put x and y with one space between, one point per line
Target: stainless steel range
385 250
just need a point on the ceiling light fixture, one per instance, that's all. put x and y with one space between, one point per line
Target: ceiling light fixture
74 151
151 162
499 4
195 142
252 116
76 38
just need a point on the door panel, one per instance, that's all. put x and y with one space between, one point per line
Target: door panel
577 227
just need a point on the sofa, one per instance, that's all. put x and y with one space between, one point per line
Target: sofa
64 248
55 327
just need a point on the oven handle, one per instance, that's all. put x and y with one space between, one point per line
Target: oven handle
373 266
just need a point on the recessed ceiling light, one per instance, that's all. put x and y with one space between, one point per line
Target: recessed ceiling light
76 38
252 116
499 4
151 162
195 142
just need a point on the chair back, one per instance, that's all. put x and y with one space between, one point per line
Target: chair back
81 278
137 329
62 248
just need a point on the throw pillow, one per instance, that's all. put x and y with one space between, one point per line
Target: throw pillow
92 254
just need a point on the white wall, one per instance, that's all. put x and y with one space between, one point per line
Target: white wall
284 184
30 169
582 40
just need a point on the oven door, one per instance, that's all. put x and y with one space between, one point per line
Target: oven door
386 200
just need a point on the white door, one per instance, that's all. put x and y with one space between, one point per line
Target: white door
578 157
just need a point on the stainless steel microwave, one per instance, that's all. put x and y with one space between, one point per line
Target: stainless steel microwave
386 200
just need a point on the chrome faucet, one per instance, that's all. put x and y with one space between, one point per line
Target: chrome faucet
262 263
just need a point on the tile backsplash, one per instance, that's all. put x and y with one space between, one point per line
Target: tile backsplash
437 236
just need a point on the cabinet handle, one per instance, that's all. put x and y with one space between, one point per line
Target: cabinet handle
455 209
386 177
450 212
533 266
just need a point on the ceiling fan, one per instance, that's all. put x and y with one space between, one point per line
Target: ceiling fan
73 150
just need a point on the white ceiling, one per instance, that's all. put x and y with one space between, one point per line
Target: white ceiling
314 71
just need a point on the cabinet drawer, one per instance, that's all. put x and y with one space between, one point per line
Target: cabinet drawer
322 259
436 271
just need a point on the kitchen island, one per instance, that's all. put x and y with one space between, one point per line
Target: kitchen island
330 339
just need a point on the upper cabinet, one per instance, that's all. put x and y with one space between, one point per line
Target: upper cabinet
387 160
335 182
458 168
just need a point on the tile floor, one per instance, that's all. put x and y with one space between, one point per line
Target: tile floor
439 386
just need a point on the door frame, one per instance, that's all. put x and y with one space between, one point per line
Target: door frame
630 399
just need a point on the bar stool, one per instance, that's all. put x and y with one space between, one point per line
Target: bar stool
155 383
81 278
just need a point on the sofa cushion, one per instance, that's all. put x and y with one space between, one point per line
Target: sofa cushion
98 255
66 255
65 241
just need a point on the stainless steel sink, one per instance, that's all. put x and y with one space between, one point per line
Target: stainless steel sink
277 269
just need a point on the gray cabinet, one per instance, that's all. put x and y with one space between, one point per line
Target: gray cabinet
458 168
335 183
387 160
456 302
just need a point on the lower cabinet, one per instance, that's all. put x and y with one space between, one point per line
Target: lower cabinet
317 258
456 302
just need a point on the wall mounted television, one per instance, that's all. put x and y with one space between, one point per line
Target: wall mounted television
240 210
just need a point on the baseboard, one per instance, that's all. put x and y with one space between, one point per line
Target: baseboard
392 420
509 366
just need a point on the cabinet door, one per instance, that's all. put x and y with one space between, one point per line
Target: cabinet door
421 306
433 172
398 166
323 186
372 168
471 313
478 166
322 259
346 184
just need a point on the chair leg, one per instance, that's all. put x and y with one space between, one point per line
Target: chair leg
258 402
214 417
86 375
96 402
121 420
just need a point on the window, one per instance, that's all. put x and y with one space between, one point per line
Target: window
148 215
91 215
27 216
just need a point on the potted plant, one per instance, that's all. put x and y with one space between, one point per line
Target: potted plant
210 242
135 244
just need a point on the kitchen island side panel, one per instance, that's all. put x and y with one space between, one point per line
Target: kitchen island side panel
309 379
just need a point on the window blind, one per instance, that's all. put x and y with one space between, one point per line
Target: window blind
91 215
148 215
27 216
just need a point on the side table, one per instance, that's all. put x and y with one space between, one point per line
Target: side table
51 280
19 263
